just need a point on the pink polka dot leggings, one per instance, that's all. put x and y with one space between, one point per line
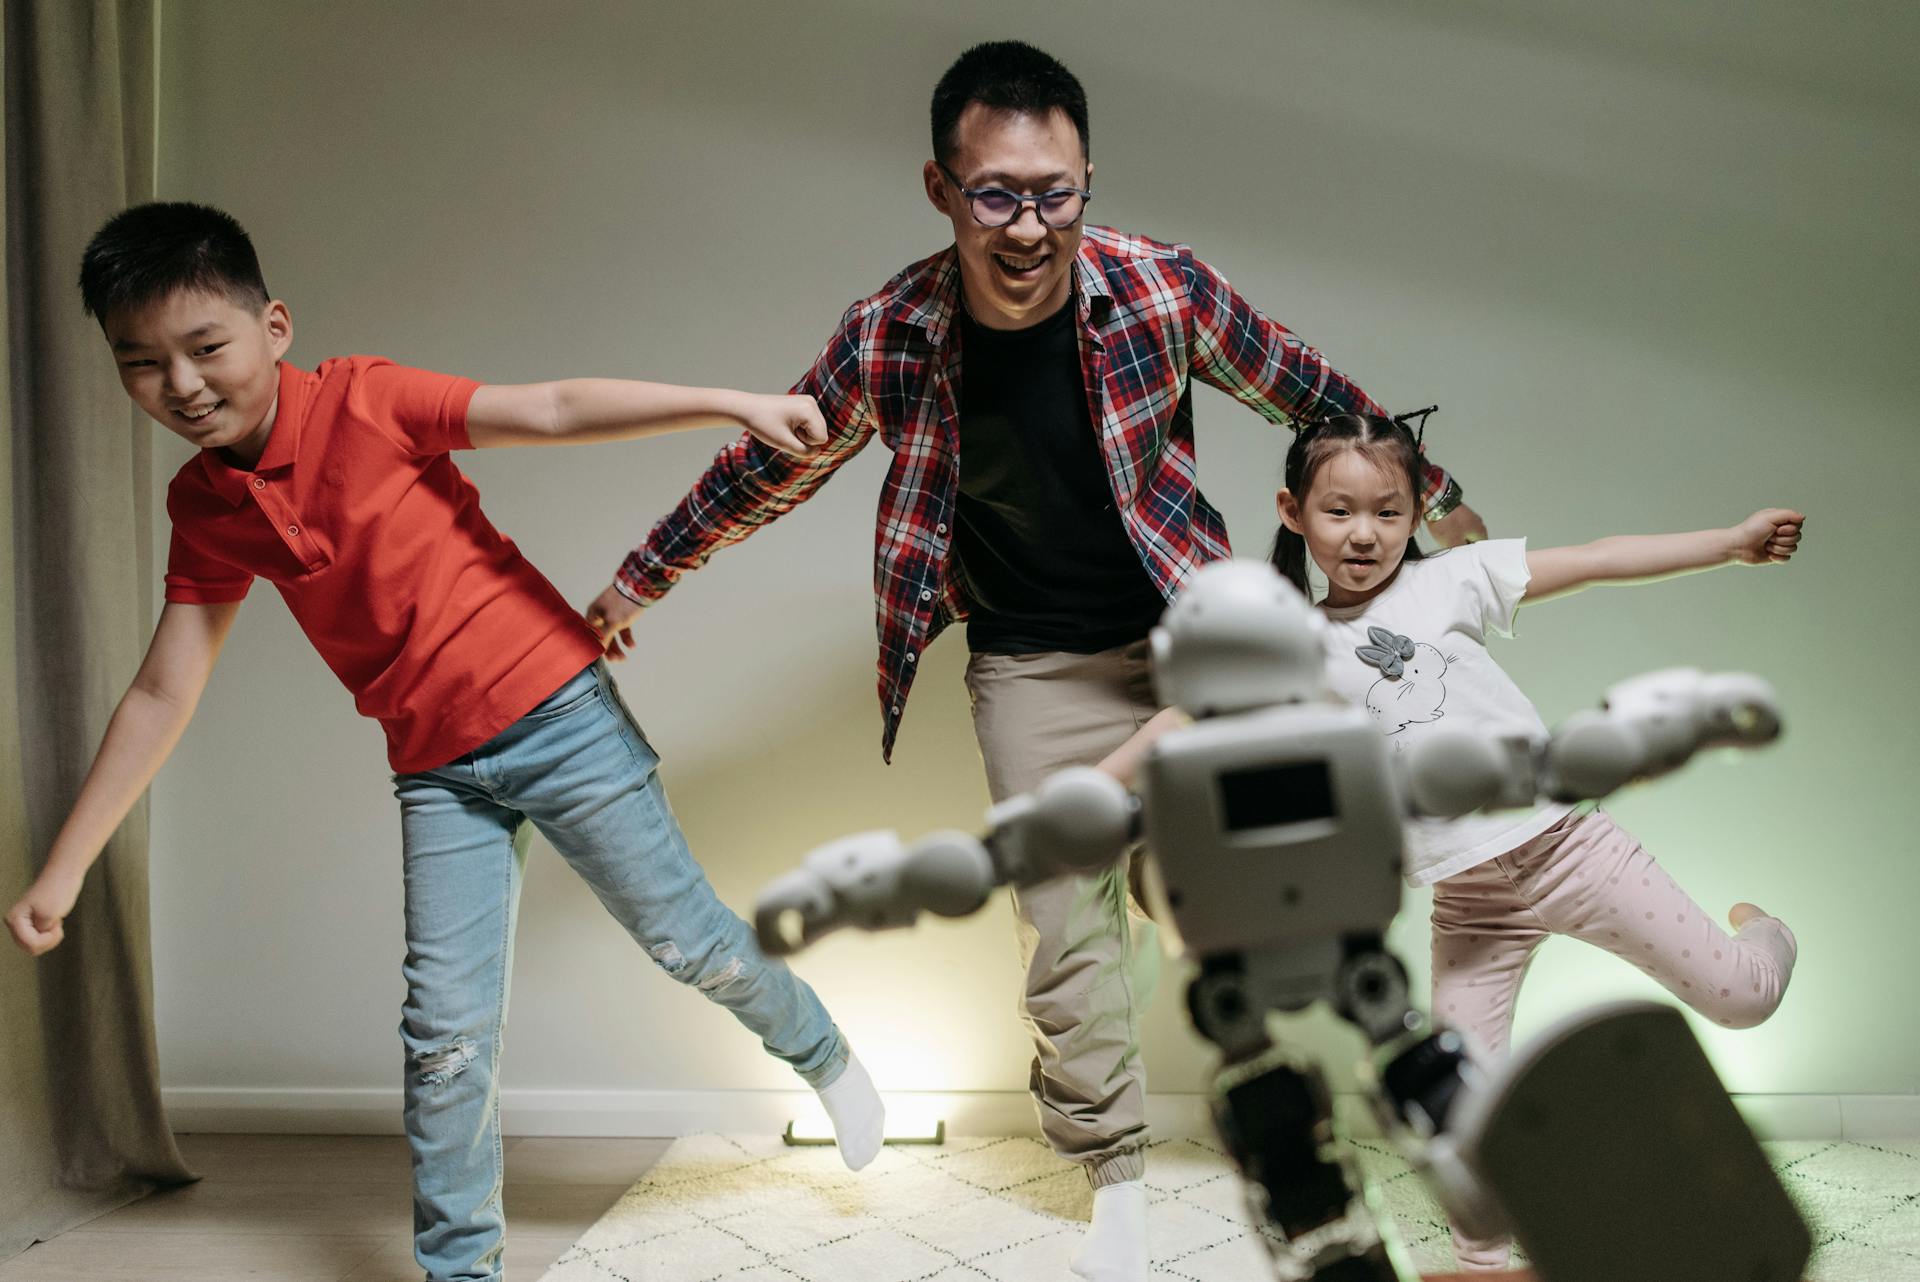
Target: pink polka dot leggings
1589 878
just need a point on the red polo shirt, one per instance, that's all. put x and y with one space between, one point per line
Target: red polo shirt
442 630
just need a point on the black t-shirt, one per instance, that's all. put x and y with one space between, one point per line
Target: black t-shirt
1042 556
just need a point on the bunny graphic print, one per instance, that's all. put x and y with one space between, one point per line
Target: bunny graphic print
1415 657
1409 688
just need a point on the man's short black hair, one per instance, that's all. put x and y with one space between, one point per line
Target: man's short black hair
147 252
1007 75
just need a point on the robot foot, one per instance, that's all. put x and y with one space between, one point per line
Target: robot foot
1616 1153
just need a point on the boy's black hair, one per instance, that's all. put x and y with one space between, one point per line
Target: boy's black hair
147 252
1387 443
1007 75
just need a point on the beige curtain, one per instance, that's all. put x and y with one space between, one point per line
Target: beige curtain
81 1128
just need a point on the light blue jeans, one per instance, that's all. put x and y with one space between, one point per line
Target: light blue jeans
579 769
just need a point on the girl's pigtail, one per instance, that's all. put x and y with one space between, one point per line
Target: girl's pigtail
1289 556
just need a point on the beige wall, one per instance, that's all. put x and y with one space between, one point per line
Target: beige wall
1655 266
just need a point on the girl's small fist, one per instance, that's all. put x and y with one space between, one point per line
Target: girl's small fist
1769 535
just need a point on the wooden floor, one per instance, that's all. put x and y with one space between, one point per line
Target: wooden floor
327 1208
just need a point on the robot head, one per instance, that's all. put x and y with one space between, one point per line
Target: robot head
1239 637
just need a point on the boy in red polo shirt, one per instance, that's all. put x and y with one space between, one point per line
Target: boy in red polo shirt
337 487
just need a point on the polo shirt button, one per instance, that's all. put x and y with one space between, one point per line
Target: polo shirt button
896 709
293 531
940 528
926 594
259 483
912 657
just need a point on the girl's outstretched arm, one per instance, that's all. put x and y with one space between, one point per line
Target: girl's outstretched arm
1769 535
1123 763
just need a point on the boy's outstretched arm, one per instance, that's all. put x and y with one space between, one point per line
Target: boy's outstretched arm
579 411
146 725
1769 535
747 487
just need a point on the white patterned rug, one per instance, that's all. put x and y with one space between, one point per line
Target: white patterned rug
740 1208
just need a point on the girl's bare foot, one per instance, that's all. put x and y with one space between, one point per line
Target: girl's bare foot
1742 913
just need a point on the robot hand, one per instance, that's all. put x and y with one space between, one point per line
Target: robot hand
872 881
1644 727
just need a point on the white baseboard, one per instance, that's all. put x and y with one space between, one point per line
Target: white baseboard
666 1113
1880 1117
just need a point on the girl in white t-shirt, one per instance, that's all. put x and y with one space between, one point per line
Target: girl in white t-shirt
1407 640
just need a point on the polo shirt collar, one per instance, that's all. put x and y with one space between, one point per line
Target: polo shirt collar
283 443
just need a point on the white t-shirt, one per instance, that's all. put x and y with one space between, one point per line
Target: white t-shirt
1415 656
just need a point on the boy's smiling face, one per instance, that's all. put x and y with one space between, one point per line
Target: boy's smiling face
203 367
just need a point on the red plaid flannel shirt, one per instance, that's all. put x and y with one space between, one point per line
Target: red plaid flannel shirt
1151 317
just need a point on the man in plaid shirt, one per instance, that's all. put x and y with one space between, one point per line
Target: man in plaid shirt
1048 498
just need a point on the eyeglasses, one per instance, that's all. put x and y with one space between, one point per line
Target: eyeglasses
1057 207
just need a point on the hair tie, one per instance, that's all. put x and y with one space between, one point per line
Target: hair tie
1418 435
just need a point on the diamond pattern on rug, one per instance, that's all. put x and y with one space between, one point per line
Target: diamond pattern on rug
747 1208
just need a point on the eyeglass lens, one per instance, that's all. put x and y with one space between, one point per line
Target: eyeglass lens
994 207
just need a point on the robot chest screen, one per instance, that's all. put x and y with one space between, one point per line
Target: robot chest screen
1270 796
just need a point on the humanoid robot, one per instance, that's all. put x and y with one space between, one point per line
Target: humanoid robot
1273 822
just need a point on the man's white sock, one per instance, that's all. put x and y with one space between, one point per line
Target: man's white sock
1115 1249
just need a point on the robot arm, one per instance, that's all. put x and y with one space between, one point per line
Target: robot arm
1652 724
874 881
1644 727
1078 819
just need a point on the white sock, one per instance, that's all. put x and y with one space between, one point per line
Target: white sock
859 1118
1115 1249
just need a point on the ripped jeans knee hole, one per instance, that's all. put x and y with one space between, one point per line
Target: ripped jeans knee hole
439 1065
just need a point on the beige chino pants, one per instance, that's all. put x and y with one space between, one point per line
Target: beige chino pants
1091 956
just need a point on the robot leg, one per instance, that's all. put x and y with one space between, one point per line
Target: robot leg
1275 1118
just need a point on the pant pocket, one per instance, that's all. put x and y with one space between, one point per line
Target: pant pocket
570 697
